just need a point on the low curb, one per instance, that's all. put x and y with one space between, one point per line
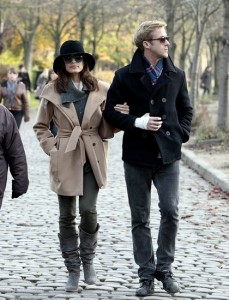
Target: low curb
203 168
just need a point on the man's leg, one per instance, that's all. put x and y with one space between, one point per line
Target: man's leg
166 181
138 181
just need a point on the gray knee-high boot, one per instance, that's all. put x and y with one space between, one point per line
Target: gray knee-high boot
88 244
70 252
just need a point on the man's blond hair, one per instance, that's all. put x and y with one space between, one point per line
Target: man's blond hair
144 31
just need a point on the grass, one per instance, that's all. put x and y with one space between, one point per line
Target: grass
33 103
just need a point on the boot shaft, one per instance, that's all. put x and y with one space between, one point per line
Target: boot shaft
88 244
70 252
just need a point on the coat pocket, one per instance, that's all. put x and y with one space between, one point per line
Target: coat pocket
53 167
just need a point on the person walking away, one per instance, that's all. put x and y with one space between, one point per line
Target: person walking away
14 97
205 78
23 76
158 123
74 100
12 156
41 82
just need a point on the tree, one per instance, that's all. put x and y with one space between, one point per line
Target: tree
25 22
170 19
80 9
60 22
222 121
202 10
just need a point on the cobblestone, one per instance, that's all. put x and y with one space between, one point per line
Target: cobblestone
31 266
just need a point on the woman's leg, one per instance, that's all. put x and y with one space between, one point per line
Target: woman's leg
88 229
67 209
87 202
69 240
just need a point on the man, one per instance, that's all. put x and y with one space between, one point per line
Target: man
12 155
158 123
23 76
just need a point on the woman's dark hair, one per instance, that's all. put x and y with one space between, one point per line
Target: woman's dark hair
61 83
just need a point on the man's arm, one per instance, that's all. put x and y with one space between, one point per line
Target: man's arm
116 96
15 157
184 110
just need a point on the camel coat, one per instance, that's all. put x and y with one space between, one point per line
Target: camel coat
74 143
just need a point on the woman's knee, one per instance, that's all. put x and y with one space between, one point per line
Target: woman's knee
89 221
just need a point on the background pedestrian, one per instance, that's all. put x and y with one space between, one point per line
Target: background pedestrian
14 97
41 82
205 78
23 76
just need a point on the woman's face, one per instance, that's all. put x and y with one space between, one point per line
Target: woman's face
73 63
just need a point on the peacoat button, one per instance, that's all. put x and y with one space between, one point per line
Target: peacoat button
163 100
163 117
167 132
93 144
152 101
144 135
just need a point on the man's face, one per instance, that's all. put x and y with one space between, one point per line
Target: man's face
158 45
12 76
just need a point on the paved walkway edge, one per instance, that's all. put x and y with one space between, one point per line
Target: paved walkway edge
203 168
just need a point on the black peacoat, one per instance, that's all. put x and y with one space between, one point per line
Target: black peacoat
167 99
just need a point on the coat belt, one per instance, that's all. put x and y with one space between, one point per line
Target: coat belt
76 138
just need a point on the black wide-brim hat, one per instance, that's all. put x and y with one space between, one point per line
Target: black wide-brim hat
73 47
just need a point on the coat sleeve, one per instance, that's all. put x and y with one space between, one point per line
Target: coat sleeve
15 156
184 110
116 95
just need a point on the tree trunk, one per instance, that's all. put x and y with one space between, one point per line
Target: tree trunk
194 71
170 15
222 121
216 68
28 51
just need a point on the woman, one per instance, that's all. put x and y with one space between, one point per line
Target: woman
13 94
77 154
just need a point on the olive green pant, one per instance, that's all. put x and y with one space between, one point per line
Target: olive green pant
87 208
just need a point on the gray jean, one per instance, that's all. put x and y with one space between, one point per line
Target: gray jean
166 181
87 207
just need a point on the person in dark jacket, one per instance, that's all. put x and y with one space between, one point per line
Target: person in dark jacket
23 76
12 155
206 80
158 123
